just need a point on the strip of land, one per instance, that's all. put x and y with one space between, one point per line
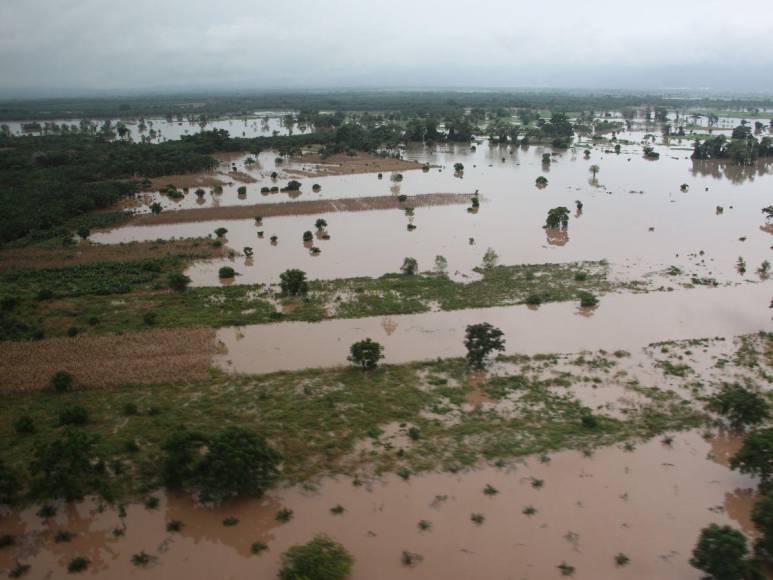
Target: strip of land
341 164
108 361
234 212
31 257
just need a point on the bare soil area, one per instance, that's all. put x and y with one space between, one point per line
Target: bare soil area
319 166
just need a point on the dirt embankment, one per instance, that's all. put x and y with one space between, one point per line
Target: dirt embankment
318 166
86 252
149 357
299 208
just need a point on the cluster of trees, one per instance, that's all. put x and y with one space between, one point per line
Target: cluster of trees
742 147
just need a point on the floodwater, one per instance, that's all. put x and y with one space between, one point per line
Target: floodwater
261 124
649 504
634 215
621 321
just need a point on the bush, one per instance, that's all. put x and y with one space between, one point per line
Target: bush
24 425
149 318
78 564
320 559
558 217
131 409
74 415
307 236
241 190
226 272
9 485
67 467
220 232
293 282
588 300
61 381
178 282
366 353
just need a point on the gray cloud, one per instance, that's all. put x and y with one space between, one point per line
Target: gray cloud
104 45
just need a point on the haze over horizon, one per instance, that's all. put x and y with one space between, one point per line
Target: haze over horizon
80 47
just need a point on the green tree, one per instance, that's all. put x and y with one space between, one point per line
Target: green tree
238 462
293 282
66 467
557 217
10 487
594 169
762 516
320 559
410 266
756 455
320 224
541 181
741 406
721 553
481 340
366 353
181 455
490 259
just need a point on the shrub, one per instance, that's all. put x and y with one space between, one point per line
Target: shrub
9 485
762 516
588 300
320 223
541 181
130 409
149 318
293 185
580 276
78 564
589 421
24 425
74 415
307 236
226 272
241 190
366 353
178 282
490 259
220 232
284 515
320 559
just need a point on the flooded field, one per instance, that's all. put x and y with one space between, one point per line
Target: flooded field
633 211
156 130
648 504
620 321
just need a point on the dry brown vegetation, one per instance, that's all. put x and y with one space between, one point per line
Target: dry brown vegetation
347 164
149 357
299 208
86 252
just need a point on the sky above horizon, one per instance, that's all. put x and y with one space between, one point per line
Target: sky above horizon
66 46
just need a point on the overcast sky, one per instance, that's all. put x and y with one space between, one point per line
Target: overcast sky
150 45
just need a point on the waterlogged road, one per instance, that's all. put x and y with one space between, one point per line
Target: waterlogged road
621 321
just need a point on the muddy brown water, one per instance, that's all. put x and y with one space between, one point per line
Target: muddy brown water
648 504
630 196
620 321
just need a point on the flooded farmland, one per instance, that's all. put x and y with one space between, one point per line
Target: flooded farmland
647 503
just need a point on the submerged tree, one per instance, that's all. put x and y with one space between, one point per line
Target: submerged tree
741 406
756 455
481 340
557 217
410 266
722 552
320 559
